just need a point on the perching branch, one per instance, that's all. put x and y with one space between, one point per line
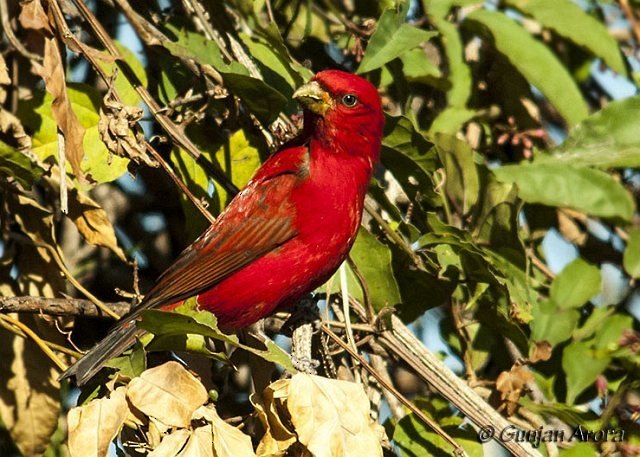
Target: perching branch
59 306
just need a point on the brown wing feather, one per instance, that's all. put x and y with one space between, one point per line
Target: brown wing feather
225 248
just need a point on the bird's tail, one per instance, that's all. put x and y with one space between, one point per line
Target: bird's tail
118 340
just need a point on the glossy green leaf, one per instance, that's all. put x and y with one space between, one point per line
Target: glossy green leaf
552 323
606 139
584 189
392 38
374 262
534 60
631 259
576 284
569 20
610 331
581 375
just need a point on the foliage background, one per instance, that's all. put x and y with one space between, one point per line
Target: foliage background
505 208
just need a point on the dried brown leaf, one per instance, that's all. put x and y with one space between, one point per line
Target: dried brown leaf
272 413
29 392
4 72
94 426
332 418
119 130
51 70
168 393
228 441
541 352
511 385
171 444
92 222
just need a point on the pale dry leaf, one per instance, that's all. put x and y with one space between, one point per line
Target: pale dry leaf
93 223
4 72
171 444
228 441
94 426
168 392
332 417
199 444
29 391
271 410
32 16
51 70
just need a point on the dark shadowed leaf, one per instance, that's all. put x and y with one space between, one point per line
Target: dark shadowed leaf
534 60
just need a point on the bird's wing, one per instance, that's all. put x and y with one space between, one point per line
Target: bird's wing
257 221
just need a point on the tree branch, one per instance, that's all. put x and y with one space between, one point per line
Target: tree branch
59 306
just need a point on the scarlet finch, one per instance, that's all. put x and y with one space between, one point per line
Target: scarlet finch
288 230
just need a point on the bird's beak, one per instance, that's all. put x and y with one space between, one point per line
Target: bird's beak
313 97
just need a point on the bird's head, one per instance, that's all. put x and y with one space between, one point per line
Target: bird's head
344 111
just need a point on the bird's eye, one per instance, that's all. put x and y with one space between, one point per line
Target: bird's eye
349 100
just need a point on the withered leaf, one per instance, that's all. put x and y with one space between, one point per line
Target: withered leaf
168 393
94 426
92 222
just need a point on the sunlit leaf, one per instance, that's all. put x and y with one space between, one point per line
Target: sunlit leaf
392 38
606 139
576 284
584 189
569 20
631 259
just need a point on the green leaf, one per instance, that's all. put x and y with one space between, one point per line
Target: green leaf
584 189
576 284
417 67
610 330
579 450
261 99
570 21
391 39
17 165
631 258
535 61
98 162
185 319
462 184
581 375
125 90
606 139
239 158
552 323
416 439
459 77
374 262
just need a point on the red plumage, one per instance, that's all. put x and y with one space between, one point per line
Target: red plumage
286 232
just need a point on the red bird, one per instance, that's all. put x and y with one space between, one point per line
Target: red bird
286 232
